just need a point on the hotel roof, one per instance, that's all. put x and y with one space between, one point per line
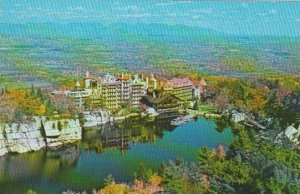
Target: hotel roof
180 82
201 83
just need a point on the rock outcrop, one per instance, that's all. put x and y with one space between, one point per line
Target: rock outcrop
22 137
62 132
93 119
36 134
238 116
293 134
3 147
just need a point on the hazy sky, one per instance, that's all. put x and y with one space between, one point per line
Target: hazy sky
243 18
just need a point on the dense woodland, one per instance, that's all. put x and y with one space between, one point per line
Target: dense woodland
17 105
248 166
265 98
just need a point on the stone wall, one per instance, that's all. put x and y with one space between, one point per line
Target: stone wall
36 134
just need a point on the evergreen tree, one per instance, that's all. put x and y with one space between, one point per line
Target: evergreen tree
32 91
59 126
196 105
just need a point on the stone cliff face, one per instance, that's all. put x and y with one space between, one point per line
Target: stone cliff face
36 134
95 119
62 132
21 138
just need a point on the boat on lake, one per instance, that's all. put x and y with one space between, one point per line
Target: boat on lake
181 120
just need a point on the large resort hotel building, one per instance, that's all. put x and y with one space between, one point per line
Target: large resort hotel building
112 92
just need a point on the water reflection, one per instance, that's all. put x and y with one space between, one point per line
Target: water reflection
120 136
19 171
222 123
116 150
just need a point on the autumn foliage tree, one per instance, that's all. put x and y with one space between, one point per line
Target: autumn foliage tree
18 104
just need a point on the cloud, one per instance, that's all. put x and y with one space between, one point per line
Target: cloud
142 15
129 8
166 3
245 5
205 11
196 17
273 11
78 8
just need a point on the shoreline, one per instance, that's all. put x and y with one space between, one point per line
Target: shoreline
41 133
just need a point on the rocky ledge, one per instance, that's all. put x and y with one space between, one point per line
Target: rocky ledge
38 133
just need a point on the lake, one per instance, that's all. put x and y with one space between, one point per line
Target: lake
116 150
